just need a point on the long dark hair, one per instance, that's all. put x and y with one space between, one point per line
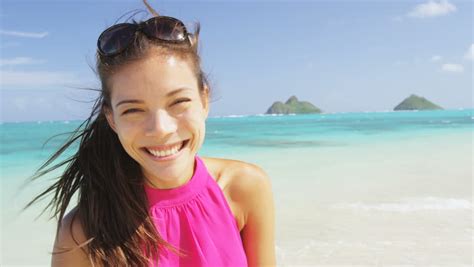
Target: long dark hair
112 203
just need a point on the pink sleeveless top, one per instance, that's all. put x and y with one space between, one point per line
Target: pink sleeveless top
196 218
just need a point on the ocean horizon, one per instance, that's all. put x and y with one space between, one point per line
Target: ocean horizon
263 114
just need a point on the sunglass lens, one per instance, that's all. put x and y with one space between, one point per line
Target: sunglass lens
117 38
165 28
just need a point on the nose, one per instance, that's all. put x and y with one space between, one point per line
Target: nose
161 123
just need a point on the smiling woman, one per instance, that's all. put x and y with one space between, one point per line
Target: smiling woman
145 197
154 116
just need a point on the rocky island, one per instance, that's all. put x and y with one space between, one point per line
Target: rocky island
292 105
414 102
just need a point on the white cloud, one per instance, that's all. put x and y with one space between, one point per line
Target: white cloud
450 67
35 79
19 61
432 9
24 34
470 52
436 58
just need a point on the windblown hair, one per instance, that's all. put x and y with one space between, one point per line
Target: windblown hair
112 202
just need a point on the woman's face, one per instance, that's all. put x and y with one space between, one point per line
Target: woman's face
157 111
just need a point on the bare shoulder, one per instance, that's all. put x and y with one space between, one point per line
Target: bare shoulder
243 180
237 173
251 187
246 177
250 191
69 236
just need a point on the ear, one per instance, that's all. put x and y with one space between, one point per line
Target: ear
110 118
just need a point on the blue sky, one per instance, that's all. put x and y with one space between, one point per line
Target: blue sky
343 56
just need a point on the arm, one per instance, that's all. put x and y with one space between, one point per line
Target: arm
258 234
70 235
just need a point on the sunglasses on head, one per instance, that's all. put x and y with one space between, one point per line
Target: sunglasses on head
117 38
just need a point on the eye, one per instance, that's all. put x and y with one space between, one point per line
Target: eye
132 110
182 100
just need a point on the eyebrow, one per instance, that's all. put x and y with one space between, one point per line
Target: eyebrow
135 101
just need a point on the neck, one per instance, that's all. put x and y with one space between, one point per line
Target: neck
160 183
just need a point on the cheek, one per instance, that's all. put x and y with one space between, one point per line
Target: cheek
126 133
196 123
193 119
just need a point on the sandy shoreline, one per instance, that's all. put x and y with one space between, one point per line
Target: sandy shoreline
390 204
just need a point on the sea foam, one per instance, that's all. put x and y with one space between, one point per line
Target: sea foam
410 205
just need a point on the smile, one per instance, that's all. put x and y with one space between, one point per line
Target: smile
168 153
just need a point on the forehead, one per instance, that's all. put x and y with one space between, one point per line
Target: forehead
154 76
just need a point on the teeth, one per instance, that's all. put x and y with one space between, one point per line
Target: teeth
163 153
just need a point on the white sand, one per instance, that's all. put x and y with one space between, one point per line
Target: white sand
404 203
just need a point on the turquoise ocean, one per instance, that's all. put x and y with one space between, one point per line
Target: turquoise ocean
367 189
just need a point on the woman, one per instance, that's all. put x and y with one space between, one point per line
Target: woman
145 198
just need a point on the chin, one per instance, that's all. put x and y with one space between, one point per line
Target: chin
172 169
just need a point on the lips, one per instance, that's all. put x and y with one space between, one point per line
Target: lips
155 150
165 147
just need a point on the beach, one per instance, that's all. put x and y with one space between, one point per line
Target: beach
376 206
364 197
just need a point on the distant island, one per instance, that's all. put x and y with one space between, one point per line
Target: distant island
292 105
414 102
